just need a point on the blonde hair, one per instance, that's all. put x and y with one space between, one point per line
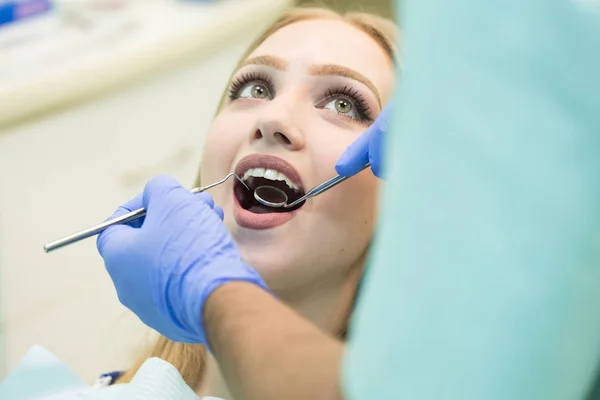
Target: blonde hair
189 359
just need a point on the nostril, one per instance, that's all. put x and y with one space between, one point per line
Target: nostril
258 134
282 138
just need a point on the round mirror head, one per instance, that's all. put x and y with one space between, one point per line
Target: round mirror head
270 196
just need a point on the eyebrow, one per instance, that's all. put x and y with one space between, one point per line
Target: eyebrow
269 61
321 70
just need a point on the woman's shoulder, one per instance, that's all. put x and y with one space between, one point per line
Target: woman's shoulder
108 379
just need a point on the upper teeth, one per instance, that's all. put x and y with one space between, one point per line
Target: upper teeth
270 174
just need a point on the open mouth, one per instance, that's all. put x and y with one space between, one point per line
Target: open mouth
267 171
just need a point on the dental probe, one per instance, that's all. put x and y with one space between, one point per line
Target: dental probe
123 219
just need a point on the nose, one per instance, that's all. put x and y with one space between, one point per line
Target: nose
276 126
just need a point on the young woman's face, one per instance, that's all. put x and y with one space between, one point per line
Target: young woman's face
297 102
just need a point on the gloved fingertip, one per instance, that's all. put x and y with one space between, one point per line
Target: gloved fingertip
345 168
162 181
159 184
128 207
346 164
206 198
355 157
351 162
131 205
220 212
376 155
376 168
111 240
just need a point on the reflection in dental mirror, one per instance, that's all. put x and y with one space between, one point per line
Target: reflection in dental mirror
270 196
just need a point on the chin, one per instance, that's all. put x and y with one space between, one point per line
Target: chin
265 256
275 269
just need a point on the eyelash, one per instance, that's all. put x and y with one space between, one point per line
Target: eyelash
346 92
353 95
242 81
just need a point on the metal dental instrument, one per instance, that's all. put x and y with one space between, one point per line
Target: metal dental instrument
123 219
277 197
283 198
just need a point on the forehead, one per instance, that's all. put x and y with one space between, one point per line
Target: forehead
327 41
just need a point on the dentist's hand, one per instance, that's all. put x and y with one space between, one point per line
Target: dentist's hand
165 267
367 148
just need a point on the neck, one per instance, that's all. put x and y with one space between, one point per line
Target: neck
327 305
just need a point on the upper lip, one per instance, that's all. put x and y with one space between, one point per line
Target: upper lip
269 162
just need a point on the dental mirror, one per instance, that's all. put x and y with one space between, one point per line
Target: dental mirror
270 196
278 198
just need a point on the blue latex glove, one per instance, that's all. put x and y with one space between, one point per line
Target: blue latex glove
367 148
165 266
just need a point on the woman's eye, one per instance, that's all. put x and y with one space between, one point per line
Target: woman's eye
342 106
255 91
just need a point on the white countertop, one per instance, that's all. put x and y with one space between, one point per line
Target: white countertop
58 64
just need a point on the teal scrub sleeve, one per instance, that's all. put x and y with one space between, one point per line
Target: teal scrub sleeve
484 282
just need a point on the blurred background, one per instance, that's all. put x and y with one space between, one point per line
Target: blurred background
96 97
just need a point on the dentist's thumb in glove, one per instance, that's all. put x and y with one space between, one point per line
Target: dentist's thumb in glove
368 148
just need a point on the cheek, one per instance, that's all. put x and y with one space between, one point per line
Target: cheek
346 219
349 208
354 197
218 154
354 204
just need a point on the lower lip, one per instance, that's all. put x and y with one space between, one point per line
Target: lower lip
251 220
